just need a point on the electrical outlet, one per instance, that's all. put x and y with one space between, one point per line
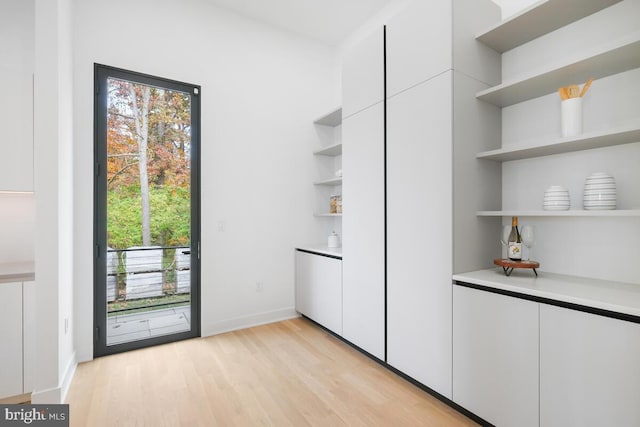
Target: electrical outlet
221 226
259 286
66 325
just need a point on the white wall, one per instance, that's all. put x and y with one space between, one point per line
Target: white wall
261 90
53 185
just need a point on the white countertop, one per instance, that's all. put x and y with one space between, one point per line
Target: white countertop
602 294
322 249
17 272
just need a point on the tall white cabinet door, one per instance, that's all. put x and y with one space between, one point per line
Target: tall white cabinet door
319 289
363 262
418 44
363 74
589 369
11 339
495 357
419 230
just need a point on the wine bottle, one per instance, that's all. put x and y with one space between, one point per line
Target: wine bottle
515 241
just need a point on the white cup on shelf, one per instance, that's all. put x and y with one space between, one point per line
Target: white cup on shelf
571 116
334 240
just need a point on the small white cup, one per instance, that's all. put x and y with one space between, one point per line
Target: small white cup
333 241
571 113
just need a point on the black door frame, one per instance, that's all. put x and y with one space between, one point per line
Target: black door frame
101 74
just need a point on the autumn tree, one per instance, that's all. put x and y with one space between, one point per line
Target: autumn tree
148 137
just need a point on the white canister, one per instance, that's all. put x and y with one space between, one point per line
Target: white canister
333 241
571 116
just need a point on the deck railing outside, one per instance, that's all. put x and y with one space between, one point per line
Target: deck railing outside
144 277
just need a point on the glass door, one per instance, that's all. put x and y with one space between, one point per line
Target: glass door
147 228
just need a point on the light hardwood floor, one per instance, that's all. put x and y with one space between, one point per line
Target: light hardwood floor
290 373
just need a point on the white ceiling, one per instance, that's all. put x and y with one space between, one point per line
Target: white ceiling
327 21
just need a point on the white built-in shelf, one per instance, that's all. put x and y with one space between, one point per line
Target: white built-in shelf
586 141
331 150
569 213
600 61
328 214
537 20
332 181
334 118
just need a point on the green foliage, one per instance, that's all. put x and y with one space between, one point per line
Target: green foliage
170 216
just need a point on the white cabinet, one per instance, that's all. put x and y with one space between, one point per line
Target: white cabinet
363 74
431 37
495 357
589 370
318 281
417 45
419 230
434 128
17 335
363 241
11 355
28 335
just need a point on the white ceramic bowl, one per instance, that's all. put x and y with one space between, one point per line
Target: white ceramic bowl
599 186
609 200
592 203
600 208
599 175
556 208
600 191
550 204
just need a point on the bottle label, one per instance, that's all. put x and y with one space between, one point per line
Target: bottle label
515 250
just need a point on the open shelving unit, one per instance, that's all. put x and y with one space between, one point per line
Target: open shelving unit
331 182
610 57
604 60
333 119
537 20
586 141
567 213
601 61
331 151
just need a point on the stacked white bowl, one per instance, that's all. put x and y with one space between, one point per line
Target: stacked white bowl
556 198
599 192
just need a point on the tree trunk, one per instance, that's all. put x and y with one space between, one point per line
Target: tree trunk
142 136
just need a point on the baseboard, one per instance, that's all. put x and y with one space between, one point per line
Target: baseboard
68 377
248 321
84 356
57 394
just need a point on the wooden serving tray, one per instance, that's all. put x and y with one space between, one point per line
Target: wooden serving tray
508 265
